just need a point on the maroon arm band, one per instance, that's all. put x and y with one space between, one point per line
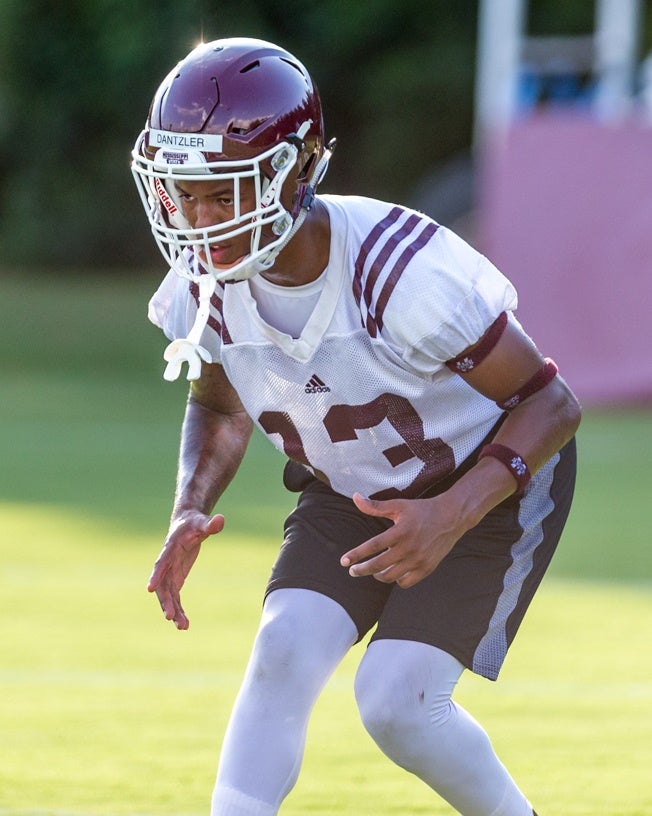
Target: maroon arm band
544 375
515 463
467 361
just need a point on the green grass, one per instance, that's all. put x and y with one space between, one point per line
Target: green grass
106 709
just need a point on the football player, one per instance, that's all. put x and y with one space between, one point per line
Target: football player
430 443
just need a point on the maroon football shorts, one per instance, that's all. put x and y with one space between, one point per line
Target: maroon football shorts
472 604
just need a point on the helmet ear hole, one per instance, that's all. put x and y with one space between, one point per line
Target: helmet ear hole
306 170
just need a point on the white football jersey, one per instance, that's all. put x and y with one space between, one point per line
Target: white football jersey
362 397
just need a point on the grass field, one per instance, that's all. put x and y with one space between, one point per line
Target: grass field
106 709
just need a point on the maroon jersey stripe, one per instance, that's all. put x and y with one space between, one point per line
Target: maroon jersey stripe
399 267
367 245
383 256
226 337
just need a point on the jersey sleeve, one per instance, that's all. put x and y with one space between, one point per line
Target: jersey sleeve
452 295
173 309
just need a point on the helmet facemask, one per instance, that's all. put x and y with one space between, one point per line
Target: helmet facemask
180 244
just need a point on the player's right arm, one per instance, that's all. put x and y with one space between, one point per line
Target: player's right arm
215 432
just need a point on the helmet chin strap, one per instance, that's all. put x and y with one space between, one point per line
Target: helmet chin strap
263 262
189 350
266 261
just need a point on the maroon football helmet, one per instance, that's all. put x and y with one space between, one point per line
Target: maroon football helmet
245 109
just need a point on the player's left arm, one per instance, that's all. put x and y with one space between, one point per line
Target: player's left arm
545 414
544 417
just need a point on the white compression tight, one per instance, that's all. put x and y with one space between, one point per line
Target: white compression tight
403 690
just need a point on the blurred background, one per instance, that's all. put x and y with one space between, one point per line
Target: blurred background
524 125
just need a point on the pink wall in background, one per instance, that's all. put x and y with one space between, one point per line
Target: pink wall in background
565 211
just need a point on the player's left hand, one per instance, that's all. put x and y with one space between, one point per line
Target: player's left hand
176 559
423 533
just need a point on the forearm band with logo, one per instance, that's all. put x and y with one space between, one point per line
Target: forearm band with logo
543 376
515 463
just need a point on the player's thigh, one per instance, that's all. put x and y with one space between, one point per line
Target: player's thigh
322 527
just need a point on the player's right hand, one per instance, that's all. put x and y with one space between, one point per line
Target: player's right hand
179 553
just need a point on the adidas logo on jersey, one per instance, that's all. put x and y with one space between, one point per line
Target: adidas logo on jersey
315 385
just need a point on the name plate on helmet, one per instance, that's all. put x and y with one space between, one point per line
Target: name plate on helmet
205 142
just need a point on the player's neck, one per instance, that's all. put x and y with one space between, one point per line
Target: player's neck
306 256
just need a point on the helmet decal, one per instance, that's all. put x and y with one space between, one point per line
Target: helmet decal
207 142
166 199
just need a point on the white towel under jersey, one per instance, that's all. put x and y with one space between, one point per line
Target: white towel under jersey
362 396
